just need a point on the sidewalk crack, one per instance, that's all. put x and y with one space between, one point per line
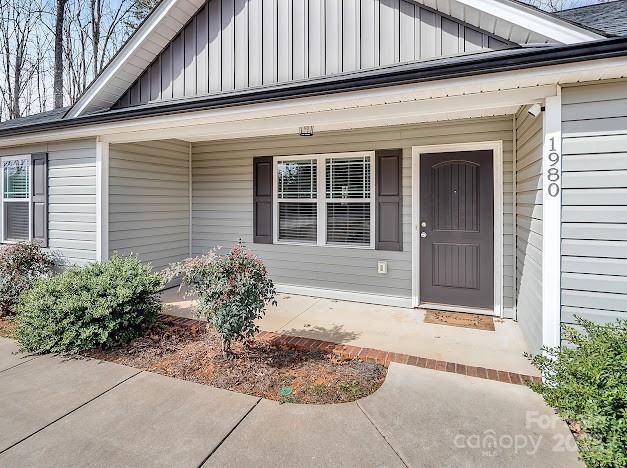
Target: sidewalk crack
19 364
298 315
70 412
228 434
382 435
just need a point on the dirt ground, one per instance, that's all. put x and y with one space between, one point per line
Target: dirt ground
194 353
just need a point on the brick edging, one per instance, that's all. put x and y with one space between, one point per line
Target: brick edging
343 351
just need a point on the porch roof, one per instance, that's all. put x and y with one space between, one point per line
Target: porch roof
408 73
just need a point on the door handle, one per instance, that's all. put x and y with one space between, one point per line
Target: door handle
423 234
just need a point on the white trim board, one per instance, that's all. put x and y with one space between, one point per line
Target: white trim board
497 16
551 220
102 201
351 296
497 153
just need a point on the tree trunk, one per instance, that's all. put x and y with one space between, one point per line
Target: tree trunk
96 13
58 54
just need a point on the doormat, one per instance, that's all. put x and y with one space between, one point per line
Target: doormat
460 319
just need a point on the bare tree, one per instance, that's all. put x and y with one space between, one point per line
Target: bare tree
58 53
17 60
103 36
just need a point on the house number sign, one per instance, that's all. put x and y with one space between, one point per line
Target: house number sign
553 173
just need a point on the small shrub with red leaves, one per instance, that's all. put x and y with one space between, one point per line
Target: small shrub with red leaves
233 291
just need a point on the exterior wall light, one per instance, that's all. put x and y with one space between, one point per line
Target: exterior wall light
307 130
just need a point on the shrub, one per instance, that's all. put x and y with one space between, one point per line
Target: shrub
233 291
20 266
101 304
587 383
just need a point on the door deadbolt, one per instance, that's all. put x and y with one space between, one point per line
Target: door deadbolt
423 234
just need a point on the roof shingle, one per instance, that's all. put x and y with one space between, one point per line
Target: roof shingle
610 17
35 119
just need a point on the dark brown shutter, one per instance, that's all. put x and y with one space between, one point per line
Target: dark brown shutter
39 198
389 229
262 200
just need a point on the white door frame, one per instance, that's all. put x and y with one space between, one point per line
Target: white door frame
497 157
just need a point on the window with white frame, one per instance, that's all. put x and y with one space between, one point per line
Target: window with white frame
325 199
15 198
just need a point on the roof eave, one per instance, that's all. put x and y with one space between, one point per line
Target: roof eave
398 75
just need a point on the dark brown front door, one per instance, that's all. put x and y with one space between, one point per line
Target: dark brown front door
456 229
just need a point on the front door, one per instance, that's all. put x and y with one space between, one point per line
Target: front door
456 229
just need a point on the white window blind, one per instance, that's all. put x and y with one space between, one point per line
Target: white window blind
348 198
297 181
348 178
15 199
336 210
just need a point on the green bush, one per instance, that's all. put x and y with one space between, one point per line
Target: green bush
233 291
21 265
586 381
101 304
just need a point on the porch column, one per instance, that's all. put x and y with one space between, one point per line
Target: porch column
102 200
551 220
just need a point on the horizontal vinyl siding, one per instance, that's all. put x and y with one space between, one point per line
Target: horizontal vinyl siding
149 201
529 227
594 202
71 198
222 204
237 44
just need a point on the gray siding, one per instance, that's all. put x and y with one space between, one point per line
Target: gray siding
594 202
71 197
236 44
149 200
529 227
222 203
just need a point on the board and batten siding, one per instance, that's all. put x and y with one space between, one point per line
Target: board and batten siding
71 197
236 44
594 202
149 201
223 209
529 137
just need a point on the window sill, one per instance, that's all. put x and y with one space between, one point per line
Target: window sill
333 246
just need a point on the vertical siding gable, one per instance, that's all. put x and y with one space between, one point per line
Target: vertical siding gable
236 44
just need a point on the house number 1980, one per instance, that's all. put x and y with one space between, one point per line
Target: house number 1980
553 174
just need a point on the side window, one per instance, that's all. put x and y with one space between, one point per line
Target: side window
16 199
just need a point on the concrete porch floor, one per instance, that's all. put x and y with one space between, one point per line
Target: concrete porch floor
395 329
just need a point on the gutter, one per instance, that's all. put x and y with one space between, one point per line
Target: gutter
416 72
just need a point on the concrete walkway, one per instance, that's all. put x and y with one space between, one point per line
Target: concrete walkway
85 413
395 329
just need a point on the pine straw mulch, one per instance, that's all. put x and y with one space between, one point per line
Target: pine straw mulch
261 369
7 326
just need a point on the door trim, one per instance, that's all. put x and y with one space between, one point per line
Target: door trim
497 164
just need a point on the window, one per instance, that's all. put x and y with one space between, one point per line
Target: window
325 199
15 191
297 193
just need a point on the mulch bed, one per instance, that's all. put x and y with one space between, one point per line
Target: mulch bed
261 369
6 327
